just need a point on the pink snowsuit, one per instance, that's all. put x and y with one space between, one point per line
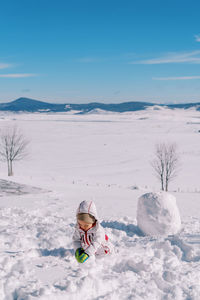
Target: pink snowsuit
94 241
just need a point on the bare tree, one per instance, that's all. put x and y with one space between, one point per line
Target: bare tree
165 164
171 164
158 164
13 146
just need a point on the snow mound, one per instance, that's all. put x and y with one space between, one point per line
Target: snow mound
157 107
99 111
158 214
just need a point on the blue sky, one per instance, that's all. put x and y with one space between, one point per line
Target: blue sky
82 51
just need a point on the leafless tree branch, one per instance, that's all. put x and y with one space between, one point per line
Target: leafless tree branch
165 163
13 146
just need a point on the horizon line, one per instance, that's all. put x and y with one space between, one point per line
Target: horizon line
109 103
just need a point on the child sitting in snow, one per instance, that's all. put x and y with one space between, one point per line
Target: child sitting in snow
89 237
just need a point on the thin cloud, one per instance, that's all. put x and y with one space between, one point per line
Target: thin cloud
25 90
5 66
93 59
89 59
22 75
197 37
177 78
186 57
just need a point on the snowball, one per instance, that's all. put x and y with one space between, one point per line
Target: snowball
158 214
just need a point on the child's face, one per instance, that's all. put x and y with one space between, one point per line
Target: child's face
85 226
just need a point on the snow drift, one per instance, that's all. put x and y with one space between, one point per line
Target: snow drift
158 214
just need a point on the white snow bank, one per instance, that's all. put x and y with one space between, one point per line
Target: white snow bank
100 111
158 214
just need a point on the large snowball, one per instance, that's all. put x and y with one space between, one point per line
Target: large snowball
158 214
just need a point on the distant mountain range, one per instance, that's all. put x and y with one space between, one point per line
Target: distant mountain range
31 105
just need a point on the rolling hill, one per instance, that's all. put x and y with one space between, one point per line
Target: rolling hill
31 105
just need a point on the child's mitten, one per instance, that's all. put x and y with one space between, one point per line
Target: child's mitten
80 255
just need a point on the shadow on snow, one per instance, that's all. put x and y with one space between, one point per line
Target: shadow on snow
130 229
58 252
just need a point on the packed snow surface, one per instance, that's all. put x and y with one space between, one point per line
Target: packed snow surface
104 158
158 214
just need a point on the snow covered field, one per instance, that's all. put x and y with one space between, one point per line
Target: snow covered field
106 158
